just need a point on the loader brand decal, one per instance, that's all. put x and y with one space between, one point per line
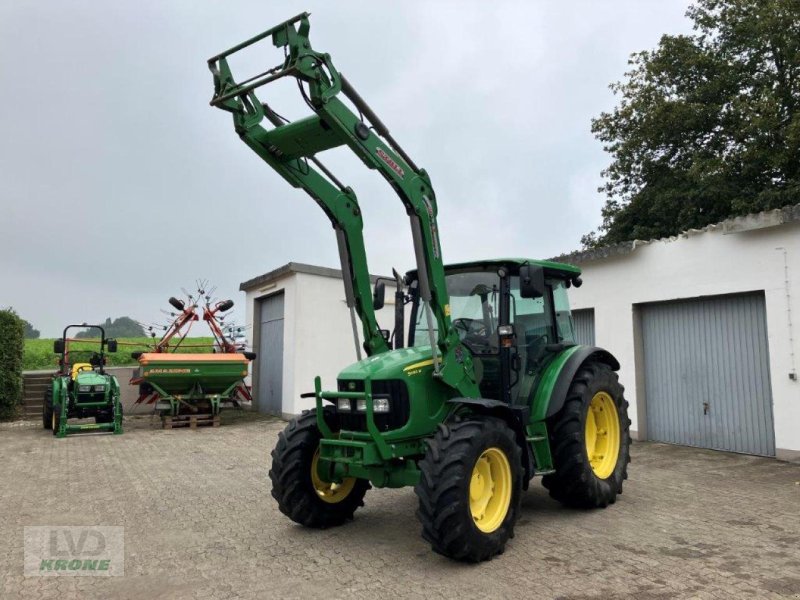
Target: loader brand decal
390 161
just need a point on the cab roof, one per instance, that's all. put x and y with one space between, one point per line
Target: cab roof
553 269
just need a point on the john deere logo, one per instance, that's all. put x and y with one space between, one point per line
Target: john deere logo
351 385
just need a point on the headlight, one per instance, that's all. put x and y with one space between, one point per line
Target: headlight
344 404
84 388
379 405
100 388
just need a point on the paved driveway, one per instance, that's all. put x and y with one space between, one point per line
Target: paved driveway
200 523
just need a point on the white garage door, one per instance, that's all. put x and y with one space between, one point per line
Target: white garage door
707 373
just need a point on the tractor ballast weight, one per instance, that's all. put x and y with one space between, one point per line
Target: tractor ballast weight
82 389
492 388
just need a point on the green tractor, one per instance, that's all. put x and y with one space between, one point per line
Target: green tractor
82 389
491 389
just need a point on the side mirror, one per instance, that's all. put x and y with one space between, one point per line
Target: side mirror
531 281
58 346
111 345
379 295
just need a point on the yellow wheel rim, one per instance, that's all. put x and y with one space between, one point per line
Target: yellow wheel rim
490 490
602 434
331 493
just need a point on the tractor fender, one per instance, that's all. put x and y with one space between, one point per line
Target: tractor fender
516 417
552 392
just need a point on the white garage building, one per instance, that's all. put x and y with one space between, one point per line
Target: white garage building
706 327
701 323
299 325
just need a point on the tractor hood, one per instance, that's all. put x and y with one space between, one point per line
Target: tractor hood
390 365
90 378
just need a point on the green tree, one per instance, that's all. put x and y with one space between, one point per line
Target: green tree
11 351
118 328
30 332
707 126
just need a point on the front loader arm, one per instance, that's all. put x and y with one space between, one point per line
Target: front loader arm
290 148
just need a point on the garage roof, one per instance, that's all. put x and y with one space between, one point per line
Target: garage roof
290 269
762 220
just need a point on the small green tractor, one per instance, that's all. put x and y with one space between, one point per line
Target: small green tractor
490 389
82 389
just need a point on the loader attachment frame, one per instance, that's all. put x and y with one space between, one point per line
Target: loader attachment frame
290 148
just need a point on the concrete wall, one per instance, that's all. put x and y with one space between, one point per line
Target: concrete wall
318 338
129 393
697 264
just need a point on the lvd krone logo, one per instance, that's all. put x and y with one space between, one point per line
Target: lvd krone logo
86 553
92 550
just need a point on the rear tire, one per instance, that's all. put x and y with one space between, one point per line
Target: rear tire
466 509
293 479
578 482
47 409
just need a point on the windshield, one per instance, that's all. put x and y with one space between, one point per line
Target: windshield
474 298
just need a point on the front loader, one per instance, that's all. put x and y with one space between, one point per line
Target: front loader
82 389
491 389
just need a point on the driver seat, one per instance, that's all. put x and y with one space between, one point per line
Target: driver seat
77 368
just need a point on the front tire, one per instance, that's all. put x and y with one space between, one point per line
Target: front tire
301 494
590 440
470 488
47 409
56 420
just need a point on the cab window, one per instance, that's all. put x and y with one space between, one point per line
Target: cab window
564 325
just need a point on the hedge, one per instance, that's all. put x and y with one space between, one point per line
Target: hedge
12 344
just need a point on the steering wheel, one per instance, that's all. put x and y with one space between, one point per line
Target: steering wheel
95 360
469 327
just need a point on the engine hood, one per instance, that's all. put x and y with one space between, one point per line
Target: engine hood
90 378
390 365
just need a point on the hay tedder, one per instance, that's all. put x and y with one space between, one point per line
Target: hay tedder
190 387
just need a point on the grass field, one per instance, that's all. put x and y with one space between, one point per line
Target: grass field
39 353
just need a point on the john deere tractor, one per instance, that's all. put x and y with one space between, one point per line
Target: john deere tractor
81 388
491 389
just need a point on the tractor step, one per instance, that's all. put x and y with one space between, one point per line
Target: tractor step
190 421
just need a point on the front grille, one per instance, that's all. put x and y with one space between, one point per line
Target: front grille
399 406
84 397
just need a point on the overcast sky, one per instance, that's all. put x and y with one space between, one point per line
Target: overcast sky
120 184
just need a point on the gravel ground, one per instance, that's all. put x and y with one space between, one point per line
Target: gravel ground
199 522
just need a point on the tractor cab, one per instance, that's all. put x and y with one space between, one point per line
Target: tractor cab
511 314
